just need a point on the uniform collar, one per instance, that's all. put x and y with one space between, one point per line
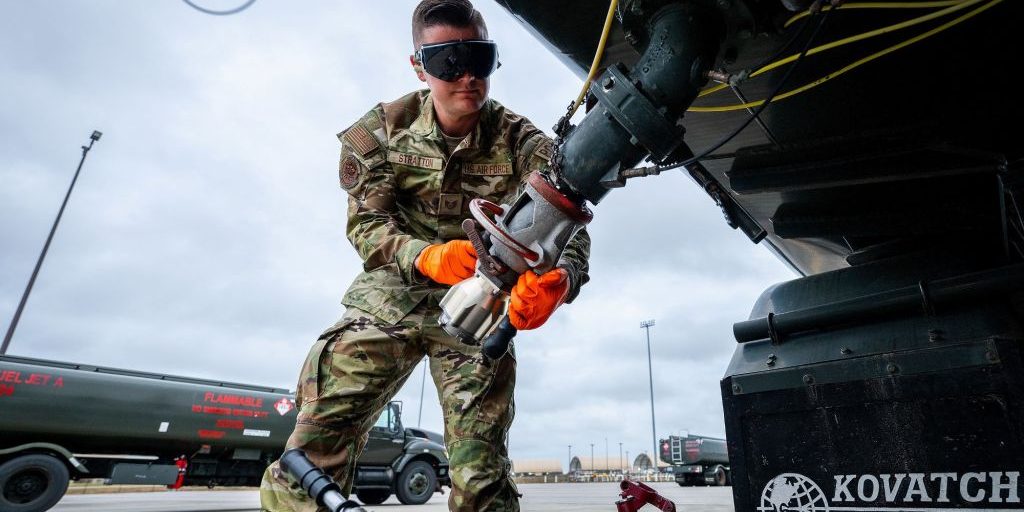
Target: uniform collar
426 125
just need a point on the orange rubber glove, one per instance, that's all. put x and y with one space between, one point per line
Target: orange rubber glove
535 297
447 263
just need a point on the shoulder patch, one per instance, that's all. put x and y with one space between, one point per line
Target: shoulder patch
349 172
361 140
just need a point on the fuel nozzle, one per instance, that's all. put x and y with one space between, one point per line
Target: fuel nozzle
527 235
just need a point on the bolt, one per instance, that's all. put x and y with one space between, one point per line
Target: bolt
808 379
631 37
718 75
771 360
609 83
736 388
892 368
845 351
992 356
934 335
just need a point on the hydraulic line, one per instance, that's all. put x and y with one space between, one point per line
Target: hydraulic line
956 6
882 5
597 58
764 104
655 170
855 64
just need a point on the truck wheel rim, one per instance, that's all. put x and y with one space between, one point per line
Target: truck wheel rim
418 484
24 487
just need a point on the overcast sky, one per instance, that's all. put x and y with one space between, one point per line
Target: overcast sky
206 234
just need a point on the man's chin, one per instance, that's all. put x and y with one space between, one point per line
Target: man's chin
470 105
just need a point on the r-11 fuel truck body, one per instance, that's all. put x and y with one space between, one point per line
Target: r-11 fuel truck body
128 427
65 421
697 460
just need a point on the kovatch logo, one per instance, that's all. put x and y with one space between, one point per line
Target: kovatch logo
918 492
284 406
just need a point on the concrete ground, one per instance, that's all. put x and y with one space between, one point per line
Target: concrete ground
590 497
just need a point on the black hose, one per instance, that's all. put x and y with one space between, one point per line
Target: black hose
496 345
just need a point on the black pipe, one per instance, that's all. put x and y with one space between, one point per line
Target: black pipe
322 488
921 297
639 110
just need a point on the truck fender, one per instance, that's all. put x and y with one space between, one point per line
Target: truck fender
60 450
418 447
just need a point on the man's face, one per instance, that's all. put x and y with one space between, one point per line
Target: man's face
464 96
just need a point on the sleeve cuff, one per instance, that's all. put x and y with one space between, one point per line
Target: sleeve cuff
406 259
574 281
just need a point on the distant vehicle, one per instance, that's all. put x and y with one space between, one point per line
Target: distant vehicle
697 460
64 421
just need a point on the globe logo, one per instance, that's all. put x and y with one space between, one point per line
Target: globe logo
792 492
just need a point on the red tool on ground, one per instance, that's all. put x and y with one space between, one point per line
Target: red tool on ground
635 495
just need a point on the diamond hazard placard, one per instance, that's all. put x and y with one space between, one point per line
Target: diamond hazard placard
284 406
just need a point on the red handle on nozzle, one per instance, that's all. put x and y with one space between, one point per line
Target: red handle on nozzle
635 495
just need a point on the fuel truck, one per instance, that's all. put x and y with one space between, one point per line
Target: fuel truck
65 421
696 460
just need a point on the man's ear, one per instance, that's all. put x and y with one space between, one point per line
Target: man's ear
417 68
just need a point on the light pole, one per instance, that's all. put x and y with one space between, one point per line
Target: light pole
570 460
591 458
628 462
646 325
620 459
423 383
606 466
42 255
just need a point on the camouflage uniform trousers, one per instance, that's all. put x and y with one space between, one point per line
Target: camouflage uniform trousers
354 370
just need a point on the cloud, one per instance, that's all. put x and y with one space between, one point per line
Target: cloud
206 234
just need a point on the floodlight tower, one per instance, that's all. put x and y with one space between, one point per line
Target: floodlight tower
646 325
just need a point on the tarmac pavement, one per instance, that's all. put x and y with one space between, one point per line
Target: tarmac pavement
568 497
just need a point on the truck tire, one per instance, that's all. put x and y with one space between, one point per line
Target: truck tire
32 483
416 483
373 496
719 476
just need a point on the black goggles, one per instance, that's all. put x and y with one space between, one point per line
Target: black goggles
448 61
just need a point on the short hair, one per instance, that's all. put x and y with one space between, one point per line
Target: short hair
455 13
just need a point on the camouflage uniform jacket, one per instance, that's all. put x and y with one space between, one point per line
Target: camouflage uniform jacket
406 193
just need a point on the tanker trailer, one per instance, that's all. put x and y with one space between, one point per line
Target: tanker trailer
697 460
65 421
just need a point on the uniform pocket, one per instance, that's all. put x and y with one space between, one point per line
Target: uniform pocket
496 404
310 385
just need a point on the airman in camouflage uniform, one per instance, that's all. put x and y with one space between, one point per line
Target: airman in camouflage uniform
405 193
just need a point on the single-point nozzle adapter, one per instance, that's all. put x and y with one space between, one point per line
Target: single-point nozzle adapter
472 308
639 111
526 236
638 114
541 220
